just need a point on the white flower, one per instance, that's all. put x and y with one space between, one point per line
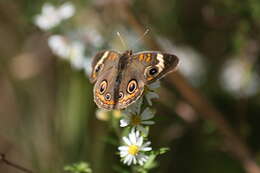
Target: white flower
59 46
76 55
137 120
51 16
239 79
133 151
191 64
93 37
66 11
72 51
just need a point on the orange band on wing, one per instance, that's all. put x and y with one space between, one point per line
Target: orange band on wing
102 99
112 56
148 59
141 57
129 96
111 102
149 78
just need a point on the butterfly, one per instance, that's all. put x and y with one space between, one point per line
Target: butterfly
120 78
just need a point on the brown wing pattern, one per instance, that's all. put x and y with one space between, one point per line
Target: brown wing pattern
102 62
155 64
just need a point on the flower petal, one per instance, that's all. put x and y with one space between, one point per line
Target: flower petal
132 138
147 114
126 140
134 160
67 10
124 122
135 108
142 129
123 148
123 154
130 159
154 85
146 148
151 95
139 142
146 144
148 122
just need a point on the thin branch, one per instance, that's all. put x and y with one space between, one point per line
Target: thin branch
198 101
14 165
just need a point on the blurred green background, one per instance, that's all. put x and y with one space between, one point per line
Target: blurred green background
47 114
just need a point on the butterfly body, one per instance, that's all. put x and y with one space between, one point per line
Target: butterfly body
120 78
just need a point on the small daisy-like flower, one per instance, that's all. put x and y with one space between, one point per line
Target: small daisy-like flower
133 151
138 120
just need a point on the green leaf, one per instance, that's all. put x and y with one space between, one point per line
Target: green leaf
81 167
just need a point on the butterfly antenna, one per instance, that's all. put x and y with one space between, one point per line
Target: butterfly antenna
122 40
144 34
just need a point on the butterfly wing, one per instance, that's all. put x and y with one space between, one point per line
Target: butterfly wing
102 62
104 70
154 65
120 78
143 68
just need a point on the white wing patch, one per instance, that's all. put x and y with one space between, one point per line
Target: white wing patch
102 59
160 64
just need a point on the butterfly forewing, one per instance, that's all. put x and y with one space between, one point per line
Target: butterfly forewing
155 64
103 61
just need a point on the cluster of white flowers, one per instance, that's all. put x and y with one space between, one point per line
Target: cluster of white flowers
62 45
134 150
52 16
71 51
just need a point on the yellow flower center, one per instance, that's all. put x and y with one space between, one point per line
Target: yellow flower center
133 149
135 120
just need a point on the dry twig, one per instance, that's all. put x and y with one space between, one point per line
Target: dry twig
14 165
